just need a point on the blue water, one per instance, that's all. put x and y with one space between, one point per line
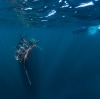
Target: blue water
64 65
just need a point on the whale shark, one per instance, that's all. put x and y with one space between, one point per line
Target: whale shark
22 51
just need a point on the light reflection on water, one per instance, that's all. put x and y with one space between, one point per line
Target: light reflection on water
46 13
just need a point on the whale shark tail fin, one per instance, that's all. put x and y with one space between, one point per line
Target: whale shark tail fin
27 75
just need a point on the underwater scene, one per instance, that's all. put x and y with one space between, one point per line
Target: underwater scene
49 49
